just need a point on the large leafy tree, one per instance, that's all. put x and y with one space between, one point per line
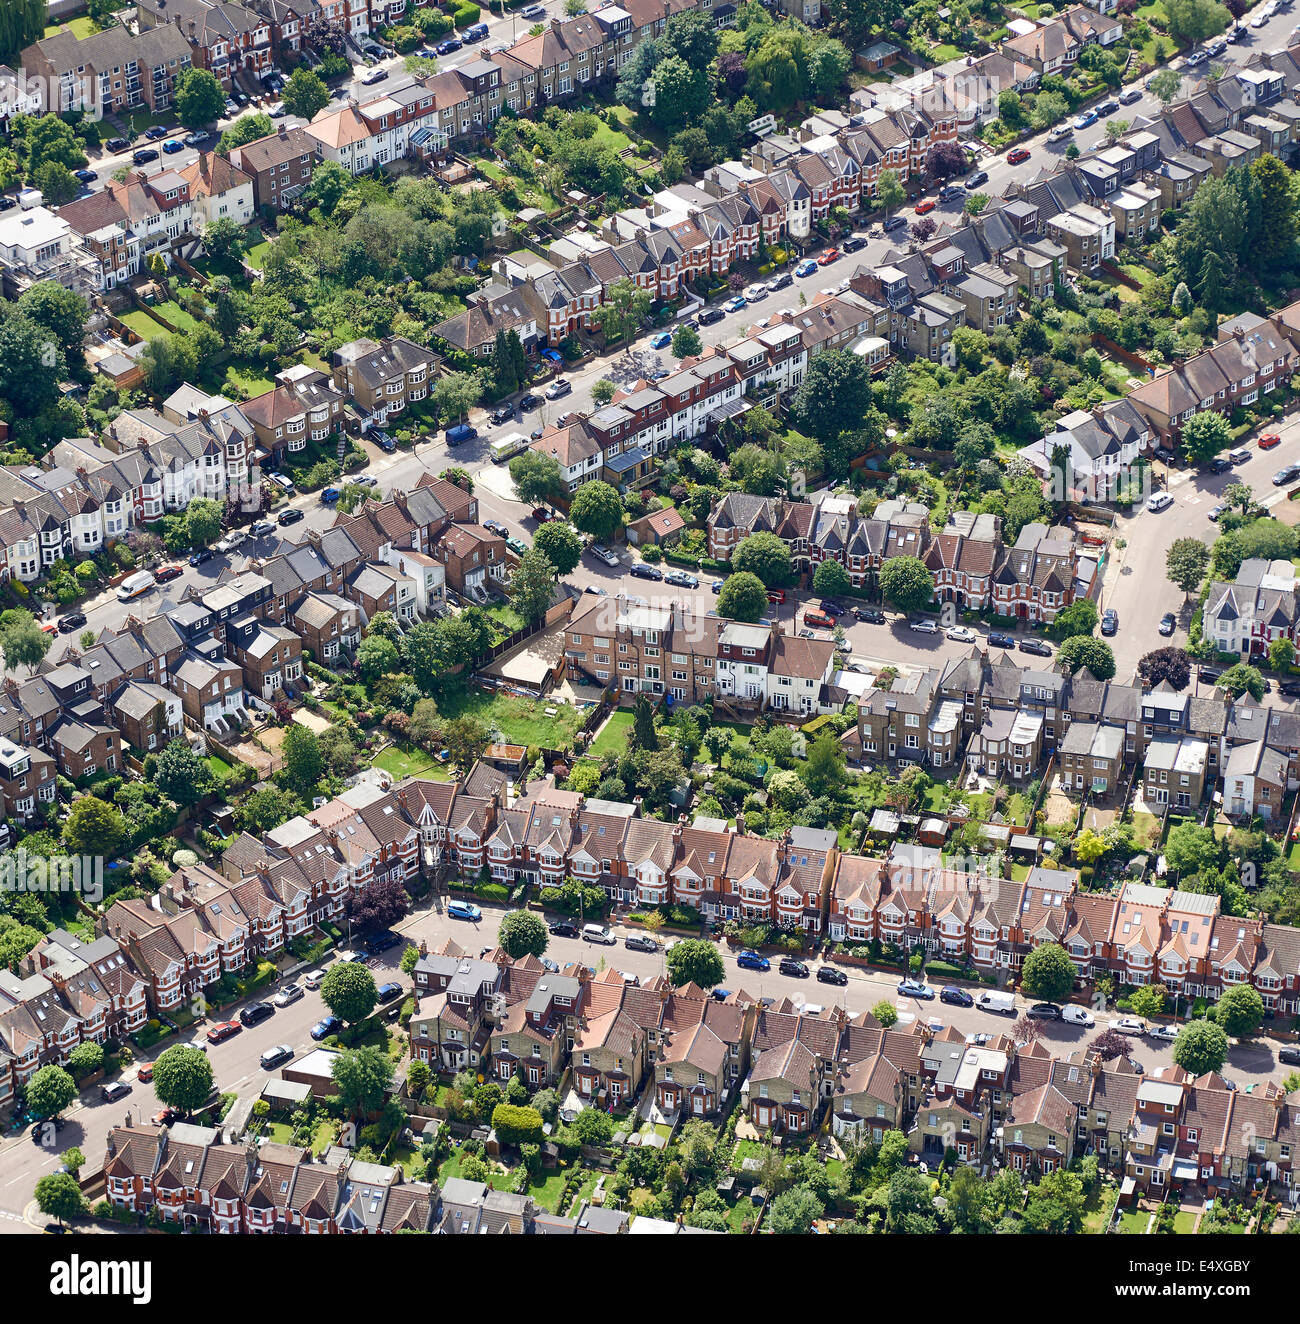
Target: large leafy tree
1201 1046
625 309
246 129
1195 20
835 394
742 598
831 578
50 1090
1186 562
678 93
305 95
61 311
380 903
537 478
362 1077
199 98
31 363
560 544
301 759
1189 848
765 556
1240 1011
1048 973
181 775
182 1077
59 1196
523 933
1079 618
694 961
906 583
1172 666
94 827
24 643
532 585
348 990
597 509
1242 679
1081 651
456 394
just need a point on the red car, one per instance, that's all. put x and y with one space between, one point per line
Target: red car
222 1031
50 627
542 515
923 207
776 595
1016 155
1269 440
167 572
145 1073
829 256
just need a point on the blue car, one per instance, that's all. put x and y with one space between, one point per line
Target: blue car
552 355
330 1025
753 961
387 992
716 586
330 495
463 910
1088 117
172 145
736 304
720 994
806 268
661 340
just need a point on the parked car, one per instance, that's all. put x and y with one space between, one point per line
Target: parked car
326 1026
1216 513
85 176
781 281
960 634
255 1013
1130 95
288 995
1083 120
1059 132
385 443
1289 474
384 941
949 192
893 223
116 145
290 516
710 315
74 620
755 293
173 145
925 206
598 933
806 268
1219 465
1289 1055
222 1031
748 960
640 942
1107 108
957 997
642 571
870 615
789 965
273 1057
976 178
715 585
831 974
258 529
1076 1015
561 387
1168 623
603 553
1044 1011
999 640
386 992
1165 1033
1291 688
1035 646
829 256
853 244
143 156
661 340
1269 440
155 131
924 627
735 303
1109 621
464 910
915 988
533 13
565 928
681 579
145 1072
197 138
1159 501
1014 157
114 1090
1128 1025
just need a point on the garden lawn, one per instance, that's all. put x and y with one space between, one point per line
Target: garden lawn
82 27
614 734
256 254
520 721
177 316
402 762
142 324
1134 1221
247 378
942 54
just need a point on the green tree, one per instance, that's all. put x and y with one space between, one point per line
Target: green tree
203 520
906 583
1242 679
593 1126
889 191
348 990
602 391
49 1091
835 394
793 1212
560 544
1050 107
1148 1001
1201 1046
199 98
1186 562
824 772
60 311
305 94
300 757
742 598
94 827
1281 654
597 509
362 1077
1240 1011
246 129
1079 618
24 644
1083 651
182 1078
765 556
624 311
224 241
1205 435
523 933
454 395
465 739
59 1196
1188 847
517 1125
532 585
644 735
181 775
886 1013
376 657
1196 20
1165 84
686 342
1048 973
831 578
694 961
538 479
56 182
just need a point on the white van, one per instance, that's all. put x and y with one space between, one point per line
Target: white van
1159 501
513 443
133 585
1003 1003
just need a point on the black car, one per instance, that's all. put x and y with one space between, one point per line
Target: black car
853 243
256 1012
385 443
1035 646
976 179
529 402
1107 108
640 942
85 176
997 640
710 315
1168 623
1289 1055
156 131
1291 688
203 554
501 414
789 966
831 607
387 992
116 145
1208 675
6 202
643 571
1220 464
870 615
382 942
782 280
274 1056
957 997
287 517
144 156
1109 621
829 974
1044 1011
74 620
564 928
951 191
1164 455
